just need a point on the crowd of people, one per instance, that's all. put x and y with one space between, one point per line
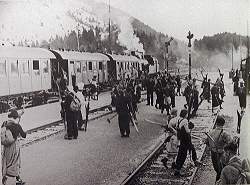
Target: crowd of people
223 146
125 96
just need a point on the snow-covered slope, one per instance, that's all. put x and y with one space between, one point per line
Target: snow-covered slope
36 20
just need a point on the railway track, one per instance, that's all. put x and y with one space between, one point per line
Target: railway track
152 171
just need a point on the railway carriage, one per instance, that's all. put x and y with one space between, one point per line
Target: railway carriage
122 66
35 73
24 70
81 67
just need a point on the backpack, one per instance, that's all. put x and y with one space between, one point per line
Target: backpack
245 173
178 129
6 135
75 104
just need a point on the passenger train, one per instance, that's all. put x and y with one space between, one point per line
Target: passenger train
27 71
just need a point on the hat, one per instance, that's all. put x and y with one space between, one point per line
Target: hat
220 121
190 125
13 114
183 113
242 82
232 146
173 112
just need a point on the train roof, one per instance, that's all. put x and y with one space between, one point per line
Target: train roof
76 55
25 52
123 58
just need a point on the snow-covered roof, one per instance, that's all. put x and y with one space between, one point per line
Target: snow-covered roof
25 52
82 56
124 58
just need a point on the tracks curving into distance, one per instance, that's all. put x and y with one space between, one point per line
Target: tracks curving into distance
152 171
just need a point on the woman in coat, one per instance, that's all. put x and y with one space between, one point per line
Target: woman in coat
11 160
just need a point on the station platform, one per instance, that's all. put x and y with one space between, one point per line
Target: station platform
38 116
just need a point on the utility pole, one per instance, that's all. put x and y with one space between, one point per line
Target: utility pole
109 48
78 43
232 57
247 75
190 36
166 45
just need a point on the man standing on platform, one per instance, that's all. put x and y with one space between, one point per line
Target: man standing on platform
123 107
150 91
242 96
80 113
72 130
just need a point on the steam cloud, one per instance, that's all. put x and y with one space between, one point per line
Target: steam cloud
127 36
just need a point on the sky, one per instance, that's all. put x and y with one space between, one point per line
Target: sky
201 17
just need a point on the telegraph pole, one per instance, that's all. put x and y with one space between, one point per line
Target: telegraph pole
190 36
109 31
247 65
78 43
166 45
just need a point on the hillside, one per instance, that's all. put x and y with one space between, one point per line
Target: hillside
219 50
84 25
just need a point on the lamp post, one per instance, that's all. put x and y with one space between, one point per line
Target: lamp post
166 45
190 36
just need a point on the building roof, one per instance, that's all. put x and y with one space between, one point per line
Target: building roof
25 52
82 56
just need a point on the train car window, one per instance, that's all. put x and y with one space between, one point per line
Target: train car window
46 66
90 66
100 66
84 66
24 67
35 64
3 67
78 67
14 67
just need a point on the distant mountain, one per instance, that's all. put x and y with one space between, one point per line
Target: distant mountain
84 25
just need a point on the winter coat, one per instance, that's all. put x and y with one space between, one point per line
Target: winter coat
231 173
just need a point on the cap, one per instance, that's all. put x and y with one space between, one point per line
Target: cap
173 112
220 121
232 146
190 125
183 113
13 114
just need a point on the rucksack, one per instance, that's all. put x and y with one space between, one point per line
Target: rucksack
75 104
6 135
245 173
178 129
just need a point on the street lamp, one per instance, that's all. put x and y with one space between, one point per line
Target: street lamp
166 45
190 36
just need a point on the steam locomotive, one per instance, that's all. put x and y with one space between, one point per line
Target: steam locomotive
32 72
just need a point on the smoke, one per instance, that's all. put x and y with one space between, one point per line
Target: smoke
127 37
212 60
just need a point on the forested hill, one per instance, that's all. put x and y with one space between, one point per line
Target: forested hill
222 42
222 50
